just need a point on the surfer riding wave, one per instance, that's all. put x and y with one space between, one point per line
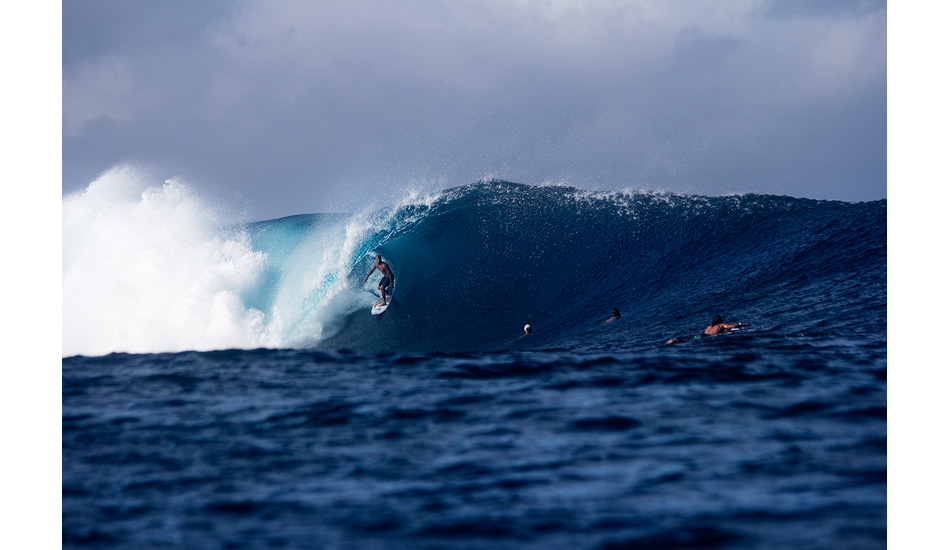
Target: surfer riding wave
388 280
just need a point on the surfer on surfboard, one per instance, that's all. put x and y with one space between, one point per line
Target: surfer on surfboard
388 278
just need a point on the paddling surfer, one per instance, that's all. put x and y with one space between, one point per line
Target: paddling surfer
715 327
388 278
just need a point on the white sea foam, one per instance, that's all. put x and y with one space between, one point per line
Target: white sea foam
147 267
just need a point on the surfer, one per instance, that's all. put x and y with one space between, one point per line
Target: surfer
388 278
715 327
613 317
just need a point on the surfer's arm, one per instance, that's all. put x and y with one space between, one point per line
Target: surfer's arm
368 274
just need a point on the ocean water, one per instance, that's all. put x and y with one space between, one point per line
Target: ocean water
224 385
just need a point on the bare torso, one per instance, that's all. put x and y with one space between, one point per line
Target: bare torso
716 329
384 269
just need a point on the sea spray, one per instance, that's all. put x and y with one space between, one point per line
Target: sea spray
151 267
312 288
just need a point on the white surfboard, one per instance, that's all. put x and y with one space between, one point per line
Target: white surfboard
379 308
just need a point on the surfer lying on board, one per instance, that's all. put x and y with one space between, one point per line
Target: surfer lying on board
613 317
388 278
715 327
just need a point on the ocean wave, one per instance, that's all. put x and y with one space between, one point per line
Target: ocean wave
153 268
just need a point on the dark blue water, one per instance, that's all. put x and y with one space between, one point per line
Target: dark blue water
435 426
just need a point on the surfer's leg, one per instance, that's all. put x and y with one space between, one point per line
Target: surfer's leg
383 283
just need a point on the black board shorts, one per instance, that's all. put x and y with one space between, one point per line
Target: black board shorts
385 282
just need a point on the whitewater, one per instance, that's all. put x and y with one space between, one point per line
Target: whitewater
151 267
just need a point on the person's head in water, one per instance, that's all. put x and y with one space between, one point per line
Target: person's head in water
717 320
616 312
527 329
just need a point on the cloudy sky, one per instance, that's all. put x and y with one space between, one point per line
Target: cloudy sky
286 107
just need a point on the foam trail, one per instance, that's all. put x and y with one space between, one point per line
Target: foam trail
149 268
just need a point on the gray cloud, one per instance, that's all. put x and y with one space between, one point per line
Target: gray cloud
314 106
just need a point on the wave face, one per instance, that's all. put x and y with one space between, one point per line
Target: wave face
155 269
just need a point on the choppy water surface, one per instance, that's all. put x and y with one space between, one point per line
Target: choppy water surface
717 446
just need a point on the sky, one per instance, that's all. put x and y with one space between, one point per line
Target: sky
295 106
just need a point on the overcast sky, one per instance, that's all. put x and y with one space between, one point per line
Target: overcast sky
287 107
